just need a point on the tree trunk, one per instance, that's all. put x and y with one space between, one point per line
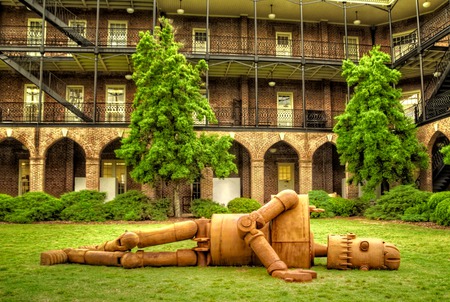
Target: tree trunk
177 201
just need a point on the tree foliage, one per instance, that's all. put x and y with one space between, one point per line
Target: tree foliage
162 143
375 139
446 151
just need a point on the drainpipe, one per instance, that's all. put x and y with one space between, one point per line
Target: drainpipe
41 64
256 65
419 51
346 44
207 51
94 118
391 39
303 64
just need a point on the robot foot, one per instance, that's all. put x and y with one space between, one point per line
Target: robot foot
297 275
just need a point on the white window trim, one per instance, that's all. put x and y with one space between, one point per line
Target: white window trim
194 43
110 40
283 52
115 114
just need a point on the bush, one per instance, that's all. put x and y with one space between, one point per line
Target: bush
321 200
6 206
436 198
442 212
243 205
132 205
342 206
206 208
159 209
84 205
34 206
393 204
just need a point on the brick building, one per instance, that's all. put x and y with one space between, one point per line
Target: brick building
274 83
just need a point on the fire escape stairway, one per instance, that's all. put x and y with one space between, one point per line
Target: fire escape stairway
437 91
441 171
431 32
46 87
57 22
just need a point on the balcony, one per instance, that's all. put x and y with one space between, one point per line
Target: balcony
227 117
15 38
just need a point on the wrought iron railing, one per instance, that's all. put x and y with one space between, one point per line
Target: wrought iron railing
16 36
429 30
52 112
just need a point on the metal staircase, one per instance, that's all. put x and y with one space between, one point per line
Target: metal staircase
441 171
58 16
51 85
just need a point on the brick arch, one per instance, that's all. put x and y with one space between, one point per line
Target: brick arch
51 138
327 171
22 136
65 161
12 152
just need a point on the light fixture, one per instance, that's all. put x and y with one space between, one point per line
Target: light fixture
437 74
271 15
271 81
357 21
426 4
128 77
180 11
273 150
130 10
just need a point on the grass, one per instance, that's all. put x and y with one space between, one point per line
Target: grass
424 272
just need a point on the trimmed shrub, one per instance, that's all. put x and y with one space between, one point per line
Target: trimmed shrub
132 205
6 205
321 200
159 209
34 206
84 205
206 208
442 213
243 205
393 204
436 198
342 207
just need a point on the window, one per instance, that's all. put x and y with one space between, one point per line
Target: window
404 43
117 33
34 34
409 100
31 103
75 96
24 176
199 40
80 27
353 48
285 114
115 104
117 169
284 44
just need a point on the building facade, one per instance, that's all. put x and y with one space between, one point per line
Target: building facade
274 83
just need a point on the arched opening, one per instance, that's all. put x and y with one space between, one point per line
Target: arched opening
327 171
441 171
114 174
65 167
15 163
281 170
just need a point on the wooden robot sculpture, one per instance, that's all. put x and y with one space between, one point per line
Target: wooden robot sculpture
277 236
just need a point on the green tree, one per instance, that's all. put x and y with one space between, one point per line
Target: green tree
375 139
446 151
162 144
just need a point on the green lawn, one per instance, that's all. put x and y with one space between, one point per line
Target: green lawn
424 273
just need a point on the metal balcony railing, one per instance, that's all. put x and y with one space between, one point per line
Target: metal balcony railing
52 112
16 36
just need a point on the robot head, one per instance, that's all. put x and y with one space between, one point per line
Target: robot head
391 256
347 252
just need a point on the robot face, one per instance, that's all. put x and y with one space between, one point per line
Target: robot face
391 256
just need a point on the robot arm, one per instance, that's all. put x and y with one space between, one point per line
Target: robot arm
249 230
